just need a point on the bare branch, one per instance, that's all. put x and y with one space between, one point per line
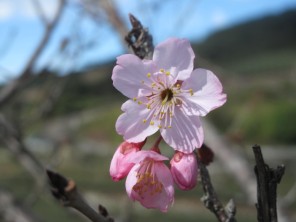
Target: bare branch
67 193
211 200
9 90
267 180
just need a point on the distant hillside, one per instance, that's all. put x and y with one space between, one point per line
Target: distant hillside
272 40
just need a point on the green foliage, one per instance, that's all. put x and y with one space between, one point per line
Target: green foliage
272 122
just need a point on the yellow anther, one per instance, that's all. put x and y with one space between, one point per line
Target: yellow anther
151 123
148 106
135 99
169 127
161 70
140 102
144 120
159 126
191 92
167 73
153 84
148 74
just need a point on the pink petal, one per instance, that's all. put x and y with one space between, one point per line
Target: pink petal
129 73
207 92
175 54
143 154
131 180
130 124
162 200
186 132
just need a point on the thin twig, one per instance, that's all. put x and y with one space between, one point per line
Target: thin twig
67 193
211 200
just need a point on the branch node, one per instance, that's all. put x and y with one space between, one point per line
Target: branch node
139 39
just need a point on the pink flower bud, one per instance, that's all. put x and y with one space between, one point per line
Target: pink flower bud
120 164
184 170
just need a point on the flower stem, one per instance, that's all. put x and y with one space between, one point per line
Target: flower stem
157 142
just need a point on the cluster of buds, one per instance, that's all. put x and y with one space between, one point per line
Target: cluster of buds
149 180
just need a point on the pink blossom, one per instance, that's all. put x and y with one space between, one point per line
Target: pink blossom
120 166
166 94
150 181
184 170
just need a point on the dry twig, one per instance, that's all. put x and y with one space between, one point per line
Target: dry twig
67 193
211 200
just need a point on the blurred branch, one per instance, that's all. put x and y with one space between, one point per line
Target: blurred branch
40 11
11 137
114 18
211 200
67 193
12 211
10 89
267 180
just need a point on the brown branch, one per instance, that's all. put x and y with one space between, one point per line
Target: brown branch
211 200
11 89
267 180
67 193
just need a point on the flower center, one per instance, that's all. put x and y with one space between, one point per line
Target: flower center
166 95
147 181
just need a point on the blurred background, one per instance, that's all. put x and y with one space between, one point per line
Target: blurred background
58 107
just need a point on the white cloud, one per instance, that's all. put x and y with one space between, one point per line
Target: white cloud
6 9
219 18
26 9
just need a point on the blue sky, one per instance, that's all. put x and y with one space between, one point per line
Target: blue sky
21 29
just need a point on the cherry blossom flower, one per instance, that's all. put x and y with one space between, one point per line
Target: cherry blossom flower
120 166
150 181
184 170
166 94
